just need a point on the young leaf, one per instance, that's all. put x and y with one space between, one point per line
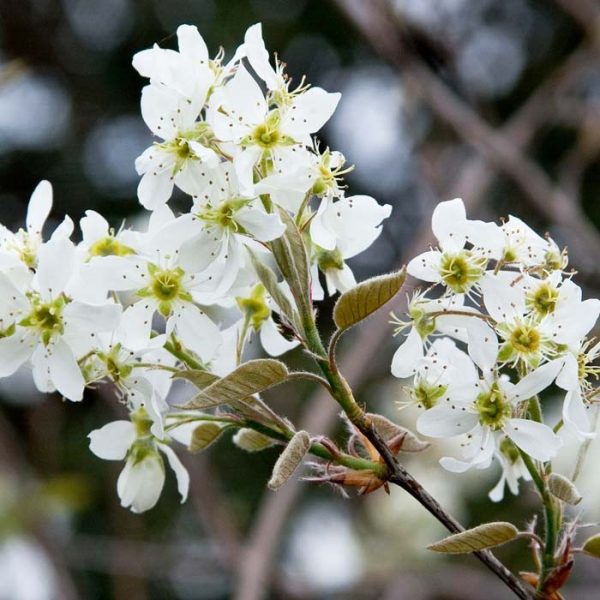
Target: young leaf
361 301
292 259
289 459
563 489
249 378
204 435
269 280
592 545
251 441
404 439
478 538
198 377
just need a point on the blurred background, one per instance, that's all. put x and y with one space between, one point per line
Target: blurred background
497 101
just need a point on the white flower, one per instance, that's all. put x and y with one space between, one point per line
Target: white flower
142 479
425 318
43 325
25 243
340 230
454 266
483 407
183 151
513 469
239 113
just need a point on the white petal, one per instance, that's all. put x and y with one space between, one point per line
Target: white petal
575 416
263 226
112 441
140 484
64 371
191 44
155 188
568 378
535 439
426 266
15 350
408 355
319 232
502 295
254 48
274 343
93 227
181 474
244 163
56 262
197 331
482 343
39 207
339 279
536 381
309 112
136 324
446 420
447 222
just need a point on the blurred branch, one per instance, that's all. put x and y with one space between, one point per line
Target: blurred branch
374 19
586 13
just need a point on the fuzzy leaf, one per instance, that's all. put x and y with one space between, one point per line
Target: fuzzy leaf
290 253
361 301
269 280
406 440
251 441
478 538
199 378
289 459
249 378
204 435
563 489
592 545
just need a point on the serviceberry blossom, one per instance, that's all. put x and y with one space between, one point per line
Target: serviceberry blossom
501 293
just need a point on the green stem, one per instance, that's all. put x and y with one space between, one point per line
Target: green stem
178 351
552 519
535 409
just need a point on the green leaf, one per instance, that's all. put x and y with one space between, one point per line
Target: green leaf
478 538
249 378
289 459
291 256
592 545
198 377
363 300
204 435
252 441
564 489
269 280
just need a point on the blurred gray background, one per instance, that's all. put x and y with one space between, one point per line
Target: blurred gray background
497 101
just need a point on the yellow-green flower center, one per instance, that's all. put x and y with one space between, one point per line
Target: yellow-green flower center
543 299
460 271
224 215
45 318
109 246
166 286
255 307
493 408
427 396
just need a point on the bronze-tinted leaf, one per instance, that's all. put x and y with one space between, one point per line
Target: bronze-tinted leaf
249 378
563 489
289 459
478 538
363 300
251 441
204 435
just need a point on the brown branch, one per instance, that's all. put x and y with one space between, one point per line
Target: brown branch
378 25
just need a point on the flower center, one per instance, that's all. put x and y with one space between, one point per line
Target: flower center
255 307
493 408
543 299
525 339
266 136
109 246
460 271
224 214
166 286
427 396
46 318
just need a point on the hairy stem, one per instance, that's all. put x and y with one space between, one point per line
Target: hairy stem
396 473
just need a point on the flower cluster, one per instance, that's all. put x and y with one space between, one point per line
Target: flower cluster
501 322
235 138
